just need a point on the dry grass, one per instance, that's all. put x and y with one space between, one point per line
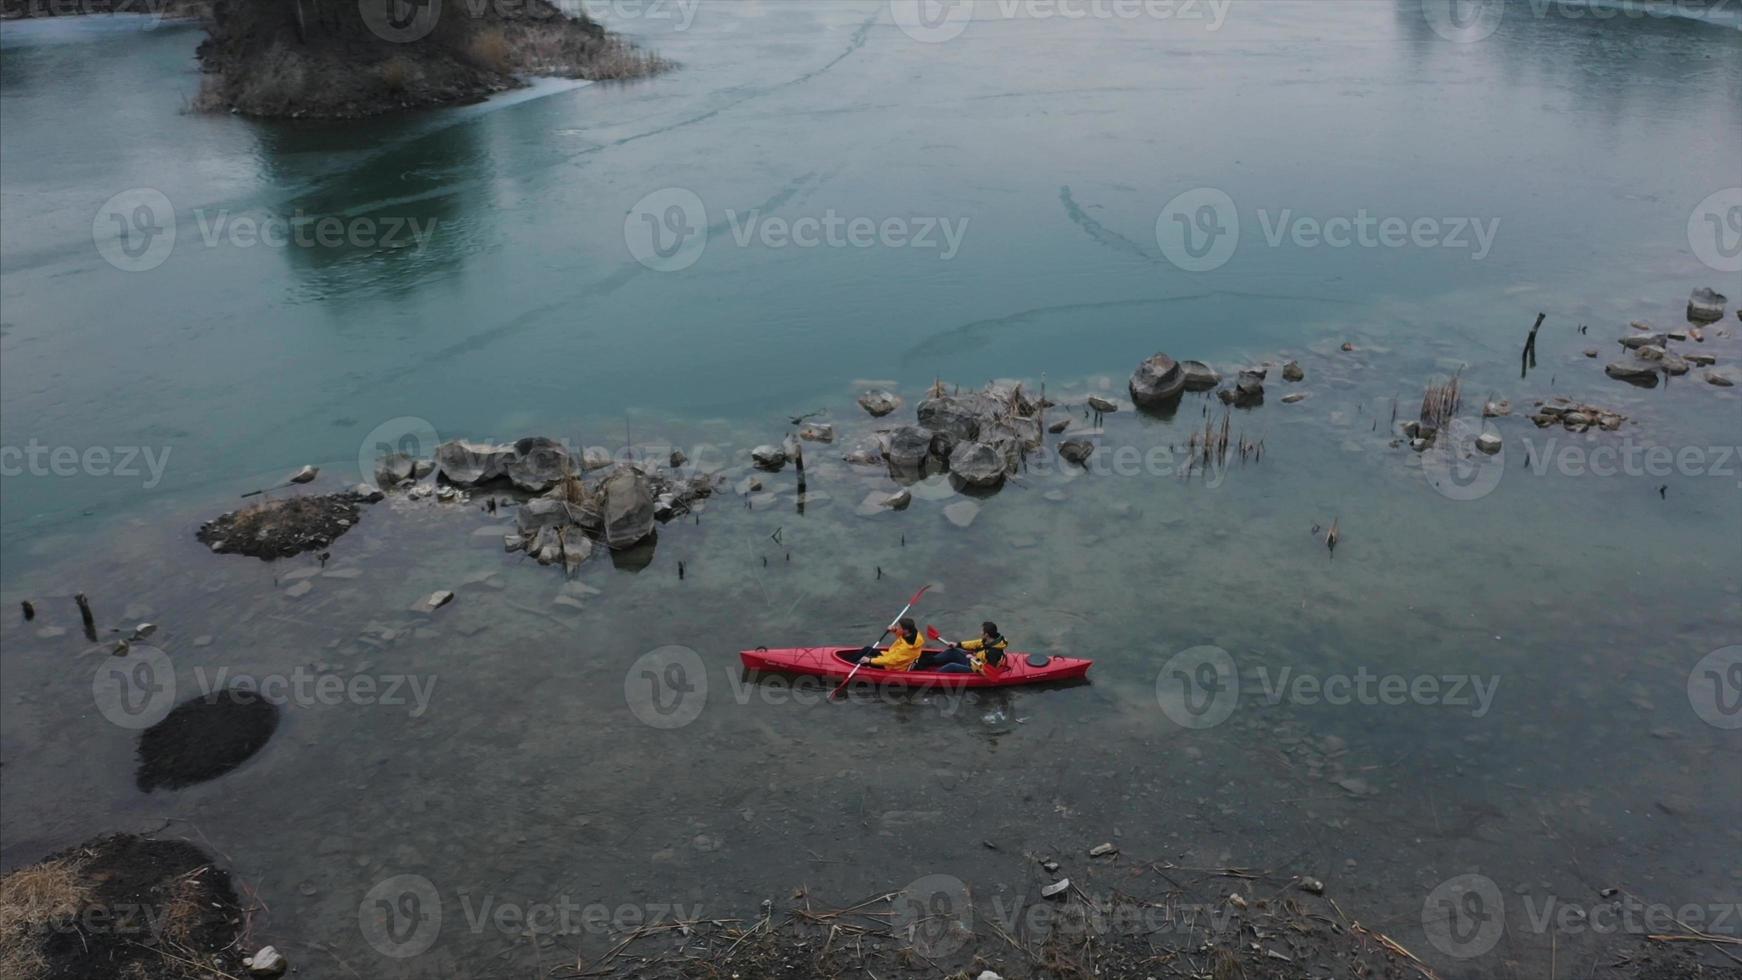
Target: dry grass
1440 403
490 49
181 914
279 82
31 900
616 60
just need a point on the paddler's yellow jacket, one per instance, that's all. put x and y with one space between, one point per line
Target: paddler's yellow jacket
979 648
901 654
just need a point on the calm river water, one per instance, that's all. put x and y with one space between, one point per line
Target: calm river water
829 195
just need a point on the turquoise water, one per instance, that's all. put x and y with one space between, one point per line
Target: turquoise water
1585 146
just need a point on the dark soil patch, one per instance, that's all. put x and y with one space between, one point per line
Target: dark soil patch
282 528
204 738
121 906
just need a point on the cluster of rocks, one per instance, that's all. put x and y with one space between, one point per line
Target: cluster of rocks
1159 382
978 437
1576 417
1649 356
568 515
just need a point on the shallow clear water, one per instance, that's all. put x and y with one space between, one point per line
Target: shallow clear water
1586 144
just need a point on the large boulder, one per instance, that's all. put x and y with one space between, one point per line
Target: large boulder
1706 305
1157 381
977 465
538 464
1199 376
627 506
955 418
879 402
908 448
393 469
469 464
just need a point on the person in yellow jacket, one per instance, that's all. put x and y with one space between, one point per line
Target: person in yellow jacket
970 656
902 654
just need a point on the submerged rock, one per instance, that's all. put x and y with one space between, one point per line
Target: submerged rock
1488 442
1638 340
1248 391
1103 405
1292 371
879 402
1706 305
962 512
1157 381
770 458
817 432
1077 450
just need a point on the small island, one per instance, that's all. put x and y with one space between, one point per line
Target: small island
328 59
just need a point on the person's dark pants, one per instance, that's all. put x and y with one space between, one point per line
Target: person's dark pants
952 661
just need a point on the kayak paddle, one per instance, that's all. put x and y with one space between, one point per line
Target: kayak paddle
892 624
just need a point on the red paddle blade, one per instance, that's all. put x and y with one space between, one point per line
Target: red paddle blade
915 600
932 631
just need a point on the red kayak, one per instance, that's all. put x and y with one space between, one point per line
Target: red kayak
837 662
